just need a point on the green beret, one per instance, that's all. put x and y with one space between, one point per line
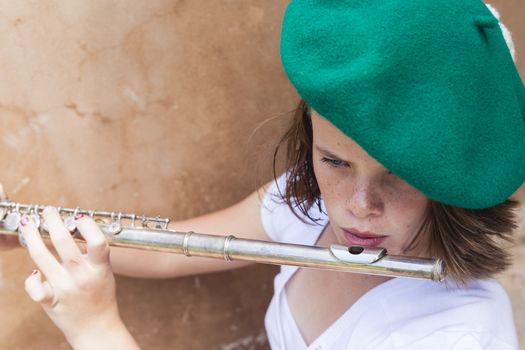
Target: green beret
428 88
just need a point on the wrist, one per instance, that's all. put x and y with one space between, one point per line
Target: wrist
105 335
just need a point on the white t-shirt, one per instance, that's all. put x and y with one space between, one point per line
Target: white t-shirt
402 313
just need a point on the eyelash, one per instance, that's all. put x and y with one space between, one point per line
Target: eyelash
336 163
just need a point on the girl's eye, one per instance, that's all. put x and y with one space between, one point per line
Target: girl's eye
334 162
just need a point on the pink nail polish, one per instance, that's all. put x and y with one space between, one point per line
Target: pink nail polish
34 272
24 221
79 216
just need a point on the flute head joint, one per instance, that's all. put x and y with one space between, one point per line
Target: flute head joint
357 254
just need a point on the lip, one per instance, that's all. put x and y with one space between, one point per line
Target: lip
363 239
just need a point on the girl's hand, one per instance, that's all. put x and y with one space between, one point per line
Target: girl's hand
79 293
7 242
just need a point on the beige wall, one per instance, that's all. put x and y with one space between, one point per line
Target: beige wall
149 107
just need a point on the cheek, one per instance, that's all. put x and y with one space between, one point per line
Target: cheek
406 211
328 182
402 195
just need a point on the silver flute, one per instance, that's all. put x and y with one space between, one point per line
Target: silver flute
152 233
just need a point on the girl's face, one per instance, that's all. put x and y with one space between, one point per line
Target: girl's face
367 205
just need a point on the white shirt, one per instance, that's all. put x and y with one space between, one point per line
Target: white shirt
402 313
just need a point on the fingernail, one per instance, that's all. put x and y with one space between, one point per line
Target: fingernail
79 216
24 221
34 272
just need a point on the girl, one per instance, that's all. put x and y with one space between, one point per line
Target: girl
410 136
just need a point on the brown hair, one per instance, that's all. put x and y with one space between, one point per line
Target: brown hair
469 241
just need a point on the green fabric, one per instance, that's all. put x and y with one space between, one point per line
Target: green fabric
427 87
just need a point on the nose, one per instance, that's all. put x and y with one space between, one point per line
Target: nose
364 201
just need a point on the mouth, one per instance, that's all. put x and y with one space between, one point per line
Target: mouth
363 239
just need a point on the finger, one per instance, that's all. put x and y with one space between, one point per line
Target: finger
39 291
61 237
96 242
38 251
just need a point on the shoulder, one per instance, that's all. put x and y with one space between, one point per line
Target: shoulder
475 316
280 222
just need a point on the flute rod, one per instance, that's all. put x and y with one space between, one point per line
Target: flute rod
337 258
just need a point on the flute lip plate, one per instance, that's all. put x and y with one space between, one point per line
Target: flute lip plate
355 255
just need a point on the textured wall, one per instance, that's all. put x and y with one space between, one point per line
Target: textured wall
146 107
149 107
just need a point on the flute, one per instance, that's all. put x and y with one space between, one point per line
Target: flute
153 234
